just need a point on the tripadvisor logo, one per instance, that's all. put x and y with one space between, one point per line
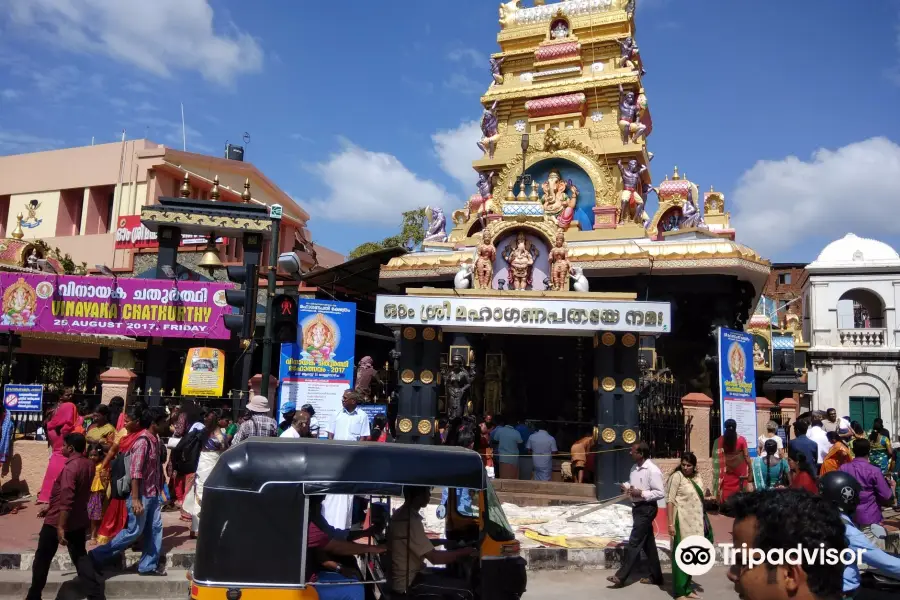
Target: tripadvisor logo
696 555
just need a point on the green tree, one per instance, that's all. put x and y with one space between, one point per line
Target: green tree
411 235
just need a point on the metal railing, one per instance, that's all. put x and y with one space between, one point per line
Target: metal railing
661 415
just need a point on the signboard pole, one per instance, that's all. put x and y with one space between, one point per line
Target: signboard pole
275 212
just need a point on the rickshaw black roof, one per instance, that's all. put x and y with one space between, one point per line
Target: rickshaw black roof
258 461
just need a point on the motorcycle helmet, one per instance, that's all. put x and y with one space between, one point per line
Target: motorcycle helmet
842 489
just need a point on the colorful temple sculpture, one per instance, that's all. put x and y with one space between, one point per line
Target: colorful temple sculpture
562 270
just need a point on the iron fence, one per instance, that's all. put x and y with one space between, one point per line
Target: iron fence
715 425
661 415
784 424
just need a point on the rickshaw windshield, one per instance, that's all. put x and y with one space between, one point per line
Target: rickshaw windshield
497 525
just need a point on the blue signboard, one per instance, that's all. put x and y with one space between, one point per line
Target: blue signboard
319 366
372 410
23 398
737 385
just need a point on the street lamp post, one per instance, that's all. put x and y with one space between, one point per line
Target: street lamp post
275 212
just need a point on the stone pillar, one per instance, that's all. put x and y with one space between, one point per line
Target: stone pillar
763 415
696 422
116 382
255 385
788 408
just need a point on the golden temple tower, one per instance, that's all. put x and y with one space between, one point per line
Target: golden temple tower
566 98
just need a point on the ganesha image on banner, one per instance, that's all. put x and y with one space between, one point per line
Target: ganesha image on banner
737 362
320 338
19 304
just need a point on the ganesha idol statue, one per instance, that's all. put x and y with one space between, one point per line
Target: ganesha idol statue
558 204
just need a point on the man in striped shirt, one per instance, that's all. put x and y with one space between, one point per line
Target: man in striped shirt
144 503
260 424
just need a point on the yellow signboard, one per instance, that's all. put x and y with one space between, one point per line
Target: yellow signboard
204 372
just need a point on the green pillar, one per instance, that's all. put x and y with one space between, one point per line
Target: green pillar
616 374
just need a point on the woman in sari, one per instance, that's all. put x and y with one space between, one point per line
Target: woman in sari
684 500
731 464
837 456
882 453
214 443
116 515
803 474
60 425
101 430
856 433
770 470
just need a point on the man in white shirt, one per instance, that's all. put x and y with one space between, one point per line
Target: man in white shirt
817 434
542 445
299 427
645 488
349 425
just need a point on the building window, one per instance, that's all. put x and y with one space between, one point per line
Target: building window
784 279
865 410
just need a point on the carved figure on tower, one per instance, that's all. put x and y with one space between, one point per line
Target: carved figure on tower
458 383
484 263
630 55
437 225
365 375
560 30
559 264
690 214
495 69
629 8
632 205
489 130
557 203
629 117
520 257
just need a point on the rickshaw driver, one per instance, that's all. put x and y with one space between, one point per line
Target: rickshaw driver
410 547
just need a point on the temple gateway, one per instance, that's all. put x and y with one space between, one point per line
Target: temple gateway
559 290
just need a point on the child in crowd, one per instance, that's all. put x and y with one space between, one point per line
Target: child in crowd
98 489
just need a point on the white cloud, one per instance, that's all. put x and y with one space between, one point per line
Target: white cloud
13 142
893 72
852 189
299 137
157 37
9 94
145 107
468 54
462 83
456 149
371 187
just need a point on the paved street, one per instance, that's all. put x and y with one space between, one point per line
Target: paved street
590 585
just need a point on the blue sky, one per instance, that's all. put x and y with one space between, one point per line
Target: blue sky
360 109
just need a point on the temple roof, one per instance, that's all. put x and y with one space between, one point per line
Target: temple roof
852 252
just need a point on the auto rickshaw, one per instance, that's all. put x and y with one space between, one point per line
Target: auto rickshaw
255 520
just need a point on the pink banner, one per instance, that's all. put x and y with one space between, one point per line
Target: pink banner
133 307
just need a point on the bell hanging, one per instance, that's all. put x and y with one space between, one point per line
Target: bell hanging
210 260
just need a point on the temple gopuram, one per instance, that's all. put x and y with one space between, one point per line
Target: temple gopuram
562 283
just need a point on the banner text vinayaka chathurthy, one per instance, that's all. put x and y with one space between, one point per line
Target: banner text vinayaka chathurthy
86 305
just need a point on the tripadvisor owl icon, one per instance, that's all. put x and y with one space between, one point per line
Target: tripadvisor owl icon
695 555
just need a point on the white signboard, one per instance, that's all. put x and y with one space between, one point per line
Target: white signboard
524 314
324 395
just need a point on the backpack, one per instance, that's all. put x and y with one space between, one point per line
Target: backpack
120 475
186 454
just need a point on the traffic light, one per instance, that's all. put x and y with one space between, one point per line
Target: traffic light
243 320
284 308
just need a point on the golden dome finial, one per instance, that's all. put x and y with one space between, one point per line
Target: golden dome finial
245 196
676 176
186 186
17 232
214 193
711 189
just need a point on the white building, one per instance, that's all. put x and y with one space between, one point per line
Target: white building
851 293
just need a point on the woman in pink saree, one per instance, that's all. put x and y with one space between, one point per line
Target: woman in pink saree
61 424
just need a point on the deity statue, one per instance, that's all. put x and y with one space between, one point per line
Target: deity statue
632 204
463 278
629 117
484 264
629 8
580 281
319 340
32 259
495 69
759 357
437 225
19 304
489 130
557 203
559 264
520 258
481 202
629 54
560 31
365 374
690 214
458 383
